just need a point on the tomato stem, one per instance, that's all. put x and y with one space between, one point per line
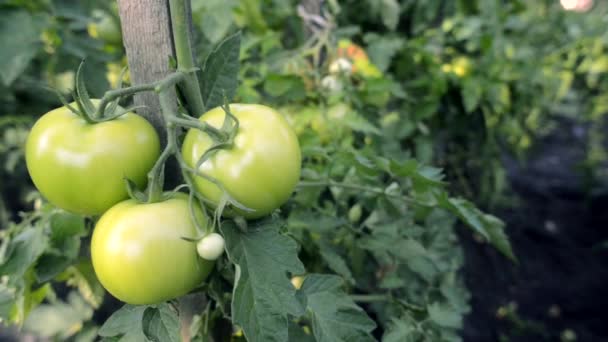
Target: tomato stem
155 181
203 126
185 59
157 86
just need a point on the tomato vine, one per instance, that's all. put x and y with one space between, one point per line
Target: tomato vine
358 226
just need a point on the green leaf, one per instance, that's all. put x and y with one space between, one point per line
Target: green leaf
65 225
220 72
445 316
411 168
297 334
59 319
214 17
471 93
314 221
20 40
399 331
335 261
161 324
66 231
263 296
288 87
82 276
23 251
358 123
50 265
126 323
488 226
382 49
335 317
390 12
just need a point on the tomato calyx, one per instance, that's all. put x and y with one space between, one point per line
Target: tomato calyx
86 108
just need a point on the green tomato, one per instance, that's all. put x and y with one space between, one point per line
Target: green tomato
80 167
260 171
355 212
139 255
211 246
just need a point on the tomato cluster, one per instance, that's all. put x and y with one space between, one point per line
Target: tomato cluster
145 252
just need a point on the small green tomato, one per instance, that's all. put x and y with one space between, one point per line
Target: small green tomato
211 246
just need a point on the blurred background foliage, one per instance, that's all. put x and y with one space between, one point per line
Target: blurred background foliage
456 78
457 84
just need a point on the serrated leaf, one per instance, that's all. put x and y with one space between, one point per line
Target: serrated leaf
23 251
358 123
126 323
488 226
161 324
409 249
220 72
335 317
335 261
263 296
18 51
399 331
422 175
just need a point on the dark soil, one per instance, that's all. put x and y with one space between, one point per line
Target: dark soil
560 285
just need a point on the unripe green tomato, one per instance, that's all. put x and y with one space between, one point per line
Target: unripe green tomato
81 167
354 214
211 246
260 171
139 255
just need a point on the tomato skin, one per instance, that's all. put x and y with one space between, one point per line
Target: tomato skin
139 255
262 168
80 167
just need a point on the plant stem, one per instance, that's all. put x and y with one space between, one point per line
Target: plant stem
158 86
203 126
185 60
111 95
155 183
330 183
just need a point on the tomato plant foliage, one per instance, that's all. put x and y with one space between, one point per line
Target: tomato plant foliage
365 246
